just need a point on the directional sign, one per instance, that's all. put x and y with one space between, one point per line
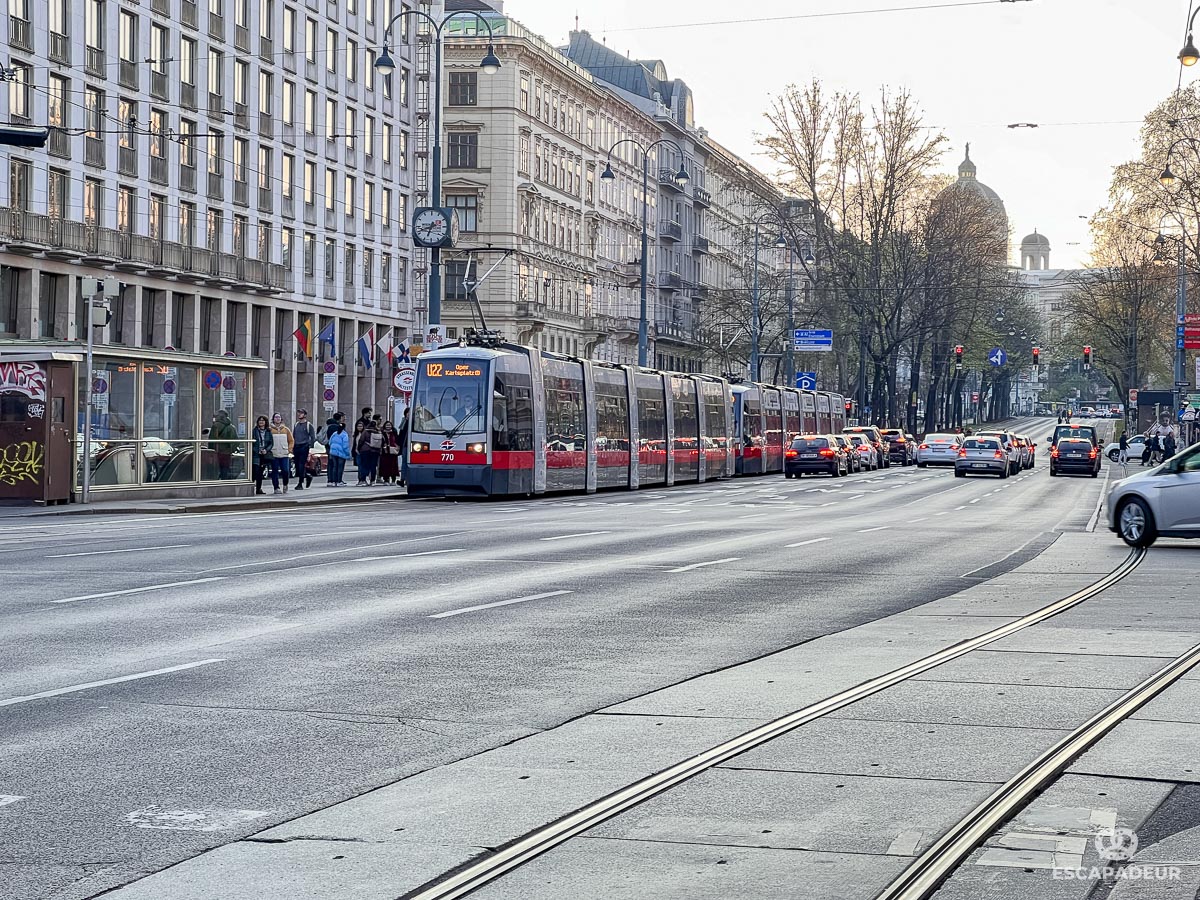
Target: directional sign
1191 319
806 381
997 356
818 340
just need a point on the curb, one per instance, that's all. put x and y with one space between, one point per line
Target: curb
76 509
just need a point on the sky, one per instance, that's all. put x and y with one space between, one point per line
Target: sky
1085 71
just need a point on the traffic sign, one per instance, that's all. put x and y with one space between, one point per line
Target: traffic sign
818 340
329 367
212 380
229 383
806 381
997 356
329 395
99 386
1191 319
1133 394
168 386
405 378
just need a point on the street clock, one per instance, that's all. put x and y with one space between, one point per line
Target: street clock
435 226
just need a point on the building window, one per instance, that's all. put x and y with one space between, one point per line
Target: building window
385 273
402 212
156 213
216 72
310 254
310 112
287 176
387 142
20 173
93 200
402 152
468 210
94 24
59 17
456 273
289 30
216 226
187 223
126 209
348 265
264 241
369 136
58 200
158 133
216 147
266 92
464 88
310 40
348 194
187 143
94 104
368 207
351 61
385 208
241 149
330 258
285 247
18 92
289 103
264 170
401 276
241 74
127 35
187 61
524 92
368 264
160 49
463 150
330 50
402 86
330 119
310 182
349 131
330 188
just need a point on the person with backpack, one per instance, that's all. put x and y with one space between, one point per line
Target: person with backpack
281 453
339 452
303 436
389 460
370 448
262 452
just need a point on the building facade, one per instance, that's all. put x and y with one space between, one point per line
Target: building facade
238 166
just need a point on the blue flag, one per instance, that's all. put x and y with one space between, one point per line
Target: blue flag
327 337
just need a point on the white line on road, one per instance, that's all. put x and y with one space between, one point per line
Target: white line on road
755 516
1091 525
406 555
310 555
976 500
13 701
876 528
130 550
715 562
563 537
467 609
806 543
140 590
957 508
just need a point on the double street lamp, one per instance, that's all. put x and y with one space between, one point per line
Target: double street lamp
385 65
756 297
681 178
1167 179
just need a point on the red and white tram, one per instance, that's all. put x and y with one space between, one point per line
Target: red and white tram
515 420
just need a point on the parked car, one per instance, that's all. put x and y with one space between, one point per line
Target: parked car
1026 446
939 450
1073 431
1160 502
1008 443
1075 455
853 460
1137 444
814 454
875 437
867 454
899 450
982 456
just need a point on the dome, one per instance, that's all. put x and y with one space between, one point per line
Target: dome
968 183
1035 241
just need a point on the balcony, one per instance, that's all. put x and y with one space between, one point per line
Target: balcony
666 178
681 332
241 193
266 49
289 208
60 48
532 309
60 143
127 73
266 125
241 116
159 86
241 38
94 62
670 231
162 7
158 169
127 161
701 197
699 244
20 34
670 281
266 199
93 151
216 104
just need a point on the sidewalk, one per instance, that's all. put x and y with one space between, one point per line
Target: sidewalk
318 494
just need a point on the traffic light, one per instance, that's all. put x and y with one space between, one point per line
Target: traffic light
1037 355
958 352
849 405
1087 357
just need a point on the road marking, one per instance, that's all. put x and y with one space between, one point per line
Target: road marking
468 609
563 537
755 516
41 695
876 528
131 550
715 562
976 500
407 555
9 799
915 521
806 543
140 590
304 556
958 508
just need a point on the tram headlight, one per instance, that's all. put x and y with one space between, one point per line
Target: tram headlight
418 447
476 448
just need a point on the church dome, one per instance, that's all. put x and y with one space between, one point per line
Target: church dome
967 182
1035 241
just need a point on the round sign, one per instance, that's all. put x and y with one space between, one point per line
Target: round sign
230 383
329 394
212 380
230 353
405 378
99 386
168 386
330 366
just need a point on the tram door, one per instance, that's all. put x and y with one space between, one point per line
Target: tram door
808 412
791 416
652 429
752 432
566 425
686 416
824 419
612 427
772 430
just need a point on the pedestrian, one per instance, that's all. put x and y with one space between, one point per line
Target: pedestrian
221 440
1148 449
281 452
389 459
262 451
303 437
402 440
1123 444
1168 446
339 452
364 418
355 438
370 445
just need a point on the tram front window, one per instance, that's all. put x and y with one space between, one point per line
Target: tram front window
450 397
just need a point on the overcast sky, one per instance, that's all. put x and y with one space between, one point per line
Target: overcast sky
974 69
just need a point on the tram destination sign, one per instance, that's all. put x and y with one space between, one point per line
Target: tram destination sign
441 370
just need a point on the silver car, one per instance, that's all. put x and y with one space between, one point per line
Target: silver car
1009 445
982 456
939 450
1160 502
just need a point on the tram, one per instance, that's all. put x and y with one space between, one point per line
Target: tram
510 420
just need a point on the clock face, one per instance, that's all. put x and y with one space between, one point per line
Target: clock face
431 227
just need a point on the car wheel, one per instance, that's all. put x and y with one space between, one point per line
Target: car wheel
1053 472
958 473
1114 455
921 465
1004 474
1135 524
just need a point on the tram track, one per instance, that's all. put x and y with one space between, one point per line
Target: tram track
929 870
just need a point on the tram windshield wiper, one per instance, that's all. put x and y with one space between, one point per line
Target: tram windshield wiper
454 432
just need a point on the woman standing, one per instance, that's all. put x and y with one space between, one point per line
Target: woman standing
281 453
389 461
370 447
262 451
339 452
359 427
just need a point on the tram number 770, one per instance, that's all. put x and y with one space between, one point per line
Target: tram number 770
447 457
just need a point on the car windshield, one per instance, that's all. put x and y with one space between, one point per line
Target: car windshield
857 439
981 445
449 396
940 439
810 443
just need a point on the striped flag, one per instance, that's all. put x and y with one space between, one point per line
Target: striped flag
303 336
365 345
386 344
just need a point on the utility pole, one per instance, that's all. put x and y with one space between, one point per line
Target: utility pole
97 317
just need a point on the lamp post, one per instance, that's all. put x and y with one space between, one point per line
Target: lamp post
1189 55
385 65
681 179
1160 256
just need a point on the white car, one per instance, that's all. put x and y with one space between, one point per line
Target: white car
1008 443
938 450
1160 502
1137 444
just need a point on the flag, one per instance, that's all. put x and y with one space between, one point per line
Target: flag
400 351
365 343
303 336
327 337
385 345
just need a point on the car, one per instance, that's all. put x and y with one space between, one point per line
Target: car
815 454
1075 455
1137 444
875 437
1008 442
1160 502
982 456
867 454
853 460
1073 431
897 446
938 450
1027 448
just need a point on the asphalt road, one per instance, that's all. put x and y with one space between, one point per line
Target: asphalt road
171 684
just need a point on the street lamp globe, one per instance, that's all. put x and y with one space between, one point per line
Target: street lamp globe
384 64
682 177
781 242
491 62
1167 178
809 259
1189 55
607 174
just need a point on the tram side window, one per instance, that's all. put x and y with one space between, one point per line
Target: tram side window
512 412
686 424
714 415
566 427
652 418
612 420
751 422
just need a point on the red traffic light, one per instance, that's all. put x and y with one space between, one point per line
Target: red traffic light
848 405
1037 351
958 350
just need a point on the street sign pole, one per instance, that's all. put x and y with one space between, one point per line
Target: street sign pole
87 405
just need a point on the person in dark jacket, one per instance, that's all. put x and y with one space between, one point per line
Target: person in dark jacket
389 460
262 451
370 446
222 438
304 435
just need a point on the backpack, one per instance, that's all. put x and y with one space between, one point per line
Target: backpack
374 440
323 435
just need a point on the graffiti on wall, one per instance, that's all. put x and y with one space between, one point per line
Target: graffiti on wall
26 378
21 462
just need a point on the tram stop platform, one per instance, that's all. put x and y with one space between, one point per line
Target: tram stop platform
837 807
